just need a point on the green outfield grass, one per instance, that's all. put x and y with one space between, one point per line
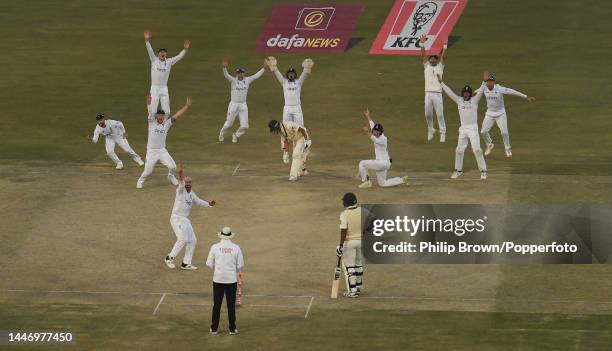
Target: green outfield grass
70 222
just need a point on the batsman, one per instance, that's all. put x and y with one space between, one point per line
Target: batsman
349 248
291 132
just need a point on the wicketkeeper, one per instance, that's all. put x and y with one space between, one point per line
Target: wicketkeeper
350 243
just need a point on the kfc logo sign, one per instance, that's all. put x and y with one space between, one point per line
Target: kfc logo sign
409 19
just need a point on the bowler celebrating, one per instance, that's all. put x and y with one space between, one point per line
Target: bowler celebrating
238 103
434 66
496 113
114 133
467 104
159 126
184 200
160 72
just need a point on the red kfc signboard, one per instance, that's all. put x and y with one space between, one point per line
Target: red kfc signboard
409 19
309 28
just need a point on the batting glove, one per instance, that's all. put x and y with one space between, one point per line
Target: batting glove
285 157
339 251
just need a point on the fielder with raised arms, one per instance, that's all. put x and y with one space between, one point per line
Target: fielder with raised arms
467 104
184 200
161 65
382 163
299 138
496 113
433 66
114 134
238 102
350 243
159 126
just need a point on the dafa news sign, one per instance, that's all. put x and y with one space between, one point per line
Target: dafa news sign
309 28
408 20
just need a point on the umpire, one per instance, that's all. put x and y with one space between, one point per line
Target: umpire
225 258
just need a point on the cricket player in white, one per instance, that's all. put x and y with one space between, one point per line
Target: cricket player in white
297 135
467 104
433 90
496 113
184 200
160 72
238 103
350 243
114 133
159 126
382 163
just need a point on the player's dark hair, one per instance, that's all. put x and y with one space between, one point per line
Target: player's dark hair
160 112
99 116
161 49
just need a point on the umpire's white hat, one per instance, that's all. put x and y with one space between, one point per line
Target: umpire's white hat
226 233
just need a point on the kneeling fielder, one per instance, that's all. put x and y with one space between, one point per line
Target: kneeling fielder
350 243
298 136
467 104
114 133
382 163
496 113
184 200
159 126
238 103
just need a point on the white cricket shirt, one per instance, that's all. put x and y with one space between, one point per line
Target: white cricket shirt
226 259
495 98
432 84
112 129
184 200
291 90
468 110
240 88
160 70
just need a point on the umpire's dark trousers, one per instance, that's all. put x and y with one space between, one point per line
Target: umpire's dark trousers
219 289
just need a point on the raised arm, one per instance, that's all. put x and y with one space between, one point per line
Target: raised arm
279 77
448 90
226 74
480 91
510 91
202 203
256 75
177 58
369 117
147 38
422 41
272 64
183 109
443 53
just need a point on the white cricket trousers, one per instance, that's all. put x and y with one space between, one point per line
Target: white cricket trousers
502 124
434 102
353 260
159 94
184 236
469 134
123 143
154 156
381 167
294 114
234 109
299 158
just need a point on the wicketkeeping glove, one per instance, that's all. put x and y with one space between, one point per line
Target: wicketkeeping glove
339 251
307 65
272 63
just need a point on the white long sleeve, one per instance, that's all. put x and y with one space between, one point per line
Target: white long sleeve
199 202
152 56
255 76
174 60
96 135
227 75
302 77
509 91
279 77
450 93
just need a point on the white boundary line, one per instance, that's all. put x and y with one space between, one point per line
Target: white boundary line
309 306
161 299
536 330
236 169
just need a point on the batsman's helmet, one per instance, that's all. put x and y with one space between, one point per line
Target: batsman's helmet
491 77
378 127
349 199
274 125
467 89
99 116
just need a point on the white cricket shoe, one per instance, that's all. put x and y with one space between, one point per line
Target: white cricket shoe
456 174
442 138
508 153
233 332
139 184
366 184
173 179
351 294
213 332
430 134
292 178
483 175
119 165
188 267
234 138
221 138
140 162
489 149
169 262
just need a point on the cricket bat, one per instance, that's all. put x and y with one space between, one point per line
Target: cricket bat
239 290
336 282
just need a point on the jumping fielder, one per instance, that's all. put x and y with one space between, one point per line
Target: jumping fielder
160 72
496 113
382 163
434 65
114 133
292 90
350 243
159 126
184 200
468 131
298 136
238 105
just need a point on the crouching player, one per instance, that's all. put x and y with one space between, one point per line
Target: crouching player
114 133
298 136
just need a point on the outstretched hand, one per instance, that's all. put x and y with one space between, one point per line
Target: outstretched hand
180 172
188 101
186 44
367 114
147 35
423 39
531 99
485 76
89 136
225 62
212 203
366 129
